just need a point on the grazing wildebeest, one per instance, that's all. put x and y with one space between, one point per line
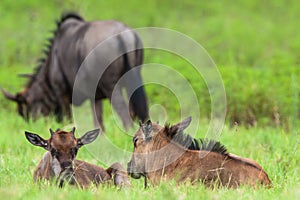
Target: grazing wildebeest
59 161
166 153
50 89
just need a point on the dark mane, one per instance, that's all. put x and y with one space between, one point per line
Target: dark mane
191 143
212 145
49 44
68 15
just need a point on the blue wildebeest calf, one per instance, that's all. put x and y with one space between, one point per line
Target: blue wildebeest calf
59 161
166 153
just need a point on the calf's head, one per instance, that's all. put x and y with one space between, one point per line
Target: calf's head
63 147
147 141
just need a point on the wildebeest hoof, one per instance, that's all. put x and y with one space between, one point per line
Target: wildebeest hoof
122 181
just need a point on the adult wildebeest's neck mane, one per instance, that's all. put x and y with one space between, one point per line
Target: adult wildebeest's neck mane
69 15
47 50
191 143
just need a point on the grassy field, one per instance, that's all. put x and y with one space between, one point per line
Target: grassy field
256 48
276 150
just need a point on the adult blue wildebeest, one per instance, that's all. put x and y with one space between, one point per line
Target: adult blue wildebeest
116 49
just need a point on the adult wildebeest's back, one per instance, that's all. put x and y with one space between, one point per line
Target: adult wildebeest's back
72 50
85 61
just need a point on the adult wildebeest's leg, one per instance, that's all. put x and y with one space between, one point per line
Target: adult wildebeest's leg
61 88
120 106
64 107
97 111
134 86
137 99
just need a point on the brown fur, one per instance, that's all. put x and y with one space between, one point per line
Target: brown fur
59 161
159 158
85 173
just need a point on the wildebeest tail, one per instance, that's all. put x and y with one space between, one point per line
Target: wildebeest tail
138 105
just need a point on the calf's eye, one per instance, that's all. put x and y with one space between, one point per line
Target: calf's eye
54 153
135 139
74 151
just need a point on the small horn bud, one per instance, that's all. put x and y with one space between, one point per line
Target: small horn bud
8 95
51 131
73 129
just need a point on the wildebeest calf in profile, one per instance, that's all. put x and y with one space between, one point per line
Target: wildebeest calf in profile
59 161
167 153
85 60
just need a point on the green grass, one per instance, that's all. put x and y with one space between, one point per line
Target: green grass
276 150
256 47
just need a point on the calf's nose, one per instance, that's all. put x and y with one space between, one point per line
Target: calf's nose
66 165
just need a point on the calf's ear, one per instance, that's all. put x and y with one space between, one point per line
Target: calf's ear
181 125
147 130
88 137
37 140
